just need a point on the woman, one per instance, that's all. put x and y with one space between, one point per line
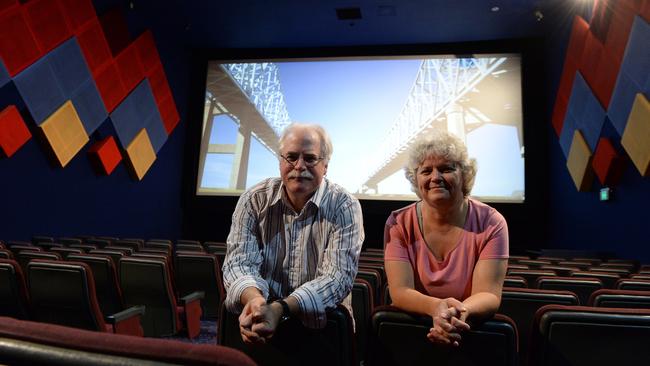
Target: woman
445 255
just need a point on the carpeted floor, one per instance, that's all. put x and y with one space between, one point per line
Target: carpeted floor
208 334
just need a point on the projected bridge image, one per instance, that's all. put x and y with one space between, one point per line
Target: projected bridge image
373 111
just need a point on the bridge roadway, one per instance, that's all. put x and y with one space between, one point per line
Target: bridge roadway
228 93
501 105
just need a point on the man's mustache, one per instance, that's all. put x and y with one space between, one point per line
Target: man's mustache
302 174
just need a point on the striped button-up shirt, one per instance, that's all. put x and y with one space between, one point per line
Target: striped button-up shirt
311 255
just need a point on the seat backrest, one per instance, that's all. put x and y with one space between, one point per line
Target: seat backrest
362 306
146 281
521 304
64 252
29 343
189 248
531 275
399 338
633 284
515 281
374 278
133 244
14 299
99 243
6 254
68 241
580 335
608 278
25 256
107 286
581 286
295 344
64 293
115 255
200 272
608 298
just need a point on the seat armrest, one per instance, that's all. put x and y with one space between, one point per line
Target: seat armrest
196 295
125 314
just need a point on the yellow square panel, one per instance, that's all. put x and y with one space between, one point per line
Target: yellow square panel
65 133
579 162
636 137
141 154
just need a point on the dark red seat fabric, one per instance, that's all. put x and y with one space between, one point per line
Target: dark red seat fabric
14 298
60 345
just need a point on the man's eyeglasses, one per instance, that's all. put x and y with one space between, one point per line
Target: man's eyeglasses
310 160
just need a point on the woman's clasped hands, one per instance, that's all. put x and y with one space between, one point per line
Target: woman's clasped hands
449 321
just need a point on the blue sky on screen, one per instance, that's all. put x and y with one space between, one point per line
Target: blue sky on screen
357 102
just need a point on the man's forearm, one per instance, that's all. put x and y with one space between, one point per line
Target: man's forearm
248 294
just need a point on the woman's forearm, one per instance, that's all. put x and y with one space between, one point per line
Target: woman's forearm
482 305
413 301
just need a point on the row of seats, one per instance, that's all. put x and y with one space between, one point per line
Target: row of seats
191 270
65 292
520 304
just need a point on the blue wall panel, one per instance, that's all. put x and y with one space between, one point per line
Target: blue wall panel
636 62
89 106
4 75
39 88
69 66
621 103
156 131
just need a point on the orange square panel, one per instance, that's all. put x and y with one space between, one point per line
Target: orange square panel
579 162
13 131
65 133
636 136
105 155
141 155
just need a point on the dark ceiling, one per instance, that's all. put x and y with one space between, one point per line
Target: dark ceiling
311 23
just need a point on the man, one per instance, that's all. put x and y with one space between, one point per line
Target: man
294 243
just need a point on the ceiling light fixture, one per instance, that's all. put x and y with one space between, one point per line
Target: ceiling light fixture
495 9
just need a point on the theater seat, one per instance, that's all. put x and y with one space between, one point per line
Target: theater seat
147 281
362 306
521 305
200 272
580 335
107 286
608 298
64 293
31 343
399 338
581 286
293 344
14 299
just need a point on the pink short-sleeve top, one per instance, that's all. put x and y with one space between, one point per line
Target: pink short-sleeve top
484 236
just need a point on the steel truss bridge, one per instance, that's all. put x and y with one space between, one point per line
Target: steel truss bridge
250 93
442 97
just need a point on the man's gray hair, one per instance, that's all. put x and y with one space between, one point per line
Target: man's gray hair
440 144
326 148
